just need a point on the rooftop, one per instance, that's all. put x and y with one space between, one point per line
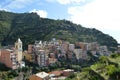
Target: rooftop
56 73
68 70
9 50
42 74
19 41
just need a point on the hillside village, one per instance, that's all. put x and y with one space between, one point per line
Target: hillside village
45 53
48 53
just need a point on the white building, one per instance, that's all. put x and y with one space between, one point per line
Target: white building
71 47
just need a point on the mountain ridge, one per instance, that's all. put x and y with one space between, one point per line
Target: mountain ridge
30 27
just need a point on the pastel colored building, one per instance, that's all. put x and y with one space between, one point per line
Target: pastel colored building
19 50
30 49
71 47
78 53
41 58
12 58
9 58
52 60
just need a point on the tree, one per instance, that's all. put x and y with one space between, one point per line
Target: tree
115 75
110 69
104 59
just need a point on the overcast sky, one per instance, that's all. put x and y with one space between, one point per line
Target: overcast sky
103 15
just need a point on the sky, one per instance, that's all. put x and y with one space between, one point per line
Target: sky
103 15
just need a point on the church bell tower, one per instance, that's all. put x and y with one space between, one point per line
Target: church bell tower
18 50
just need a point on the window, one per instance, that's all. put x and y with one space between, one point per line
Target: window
20 46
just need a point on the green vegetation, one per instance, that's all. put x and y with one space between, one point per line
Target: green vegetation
115 58
107 68
30 27
72 77
8 75
3 67
86 74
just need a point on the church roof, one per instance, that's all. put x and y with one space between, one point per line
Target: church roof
19 41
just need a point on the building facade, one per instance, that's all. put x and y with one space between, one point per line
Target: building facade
41 58
18 50
12 58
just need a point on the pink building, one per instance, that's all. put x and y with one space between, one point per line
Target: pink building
9 58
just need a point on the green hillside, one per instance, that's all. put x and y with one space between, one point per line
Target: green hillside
30 27
107 68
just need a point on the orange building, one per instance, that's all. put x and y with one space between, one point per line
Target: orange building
80 45
30 48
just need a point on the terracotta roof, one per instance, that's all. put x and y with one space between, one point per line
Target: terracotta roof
56 73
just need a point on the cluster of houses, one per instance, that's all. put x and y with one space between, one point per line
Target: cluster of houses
46 53
54 75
